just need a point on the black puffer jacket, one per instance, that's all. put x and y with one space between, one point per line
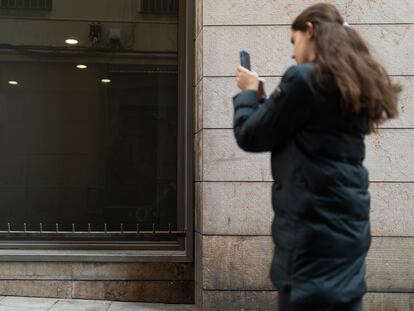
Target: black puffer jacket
320 197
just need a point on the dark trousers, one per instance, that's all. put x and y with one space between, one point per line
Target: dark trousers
286 305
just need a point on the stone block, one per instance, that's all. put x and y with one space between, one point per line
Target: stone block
267 301
245 263
237 208
386 157
218 110
384 12
271 50
244 208
392 209
240 300
223 160
143 291
198 156
258 12
198 107
218 106
198 8
237 263
199 57
34 288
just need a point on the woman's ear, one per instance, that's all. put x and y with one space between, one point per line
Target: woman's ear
310 30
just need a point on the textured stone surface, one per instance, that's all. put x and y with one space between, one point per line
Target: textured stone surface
387 157
217 100
237 208
380 11
270 48
198 106
95 271
256 12
198 8
392 212
236 184
133 271
199 292
239 300
223 160
390 264
198 206
246 12
391 45
388 302
47 288
245 263
267 301
123 306
150 291
199 52
218 106
244 208
406 104
198 156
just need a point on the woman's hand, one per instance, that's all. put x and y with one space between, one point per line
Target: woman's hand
261 91
249 80
246 79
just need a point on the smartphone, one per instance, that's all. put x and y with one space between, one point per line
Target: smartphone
245 60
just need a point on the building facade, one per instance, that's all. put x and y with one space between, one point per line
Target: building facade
233 212
121 179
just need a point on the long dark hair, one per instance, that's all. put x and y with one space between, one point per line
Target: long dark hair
344 65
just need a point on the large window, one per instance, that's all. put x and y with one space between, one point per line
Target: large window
93 128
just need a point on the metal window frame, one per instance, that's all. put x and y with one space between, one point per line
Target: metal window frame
160 8
132 246
27 5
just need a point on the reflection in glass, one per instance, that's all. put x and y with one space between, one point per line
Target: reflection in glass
97 145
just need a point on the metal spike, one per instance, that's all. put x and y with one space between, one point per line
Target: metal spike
122 228
169 228
105 228
73 228
8 227
57 228
89 228
41 227
24 227
153 228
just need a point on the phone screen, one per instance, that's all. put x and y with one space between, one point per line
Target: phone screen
245 60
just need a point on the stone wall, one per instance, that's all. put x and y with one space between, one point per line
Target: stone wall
233 210
141 281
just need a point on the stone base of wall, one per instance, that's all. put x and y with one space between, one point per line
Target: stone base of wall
210 300
140 282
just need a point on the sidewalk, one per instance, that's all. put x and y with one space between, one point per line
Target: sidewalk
44 304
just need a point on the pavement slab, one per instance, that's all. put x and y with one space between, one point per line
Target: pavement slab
10 303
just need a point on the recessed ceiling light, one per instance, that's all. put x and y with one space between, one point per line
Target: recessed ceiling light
13 82
72 41
80 66
106 81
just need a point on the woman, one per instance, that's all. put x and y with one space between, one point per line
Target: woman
314 124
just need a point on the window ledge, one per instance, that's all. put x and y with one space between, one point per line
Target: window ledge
93 256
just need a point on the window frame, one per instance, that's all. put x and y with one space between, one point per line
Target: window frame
154 251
